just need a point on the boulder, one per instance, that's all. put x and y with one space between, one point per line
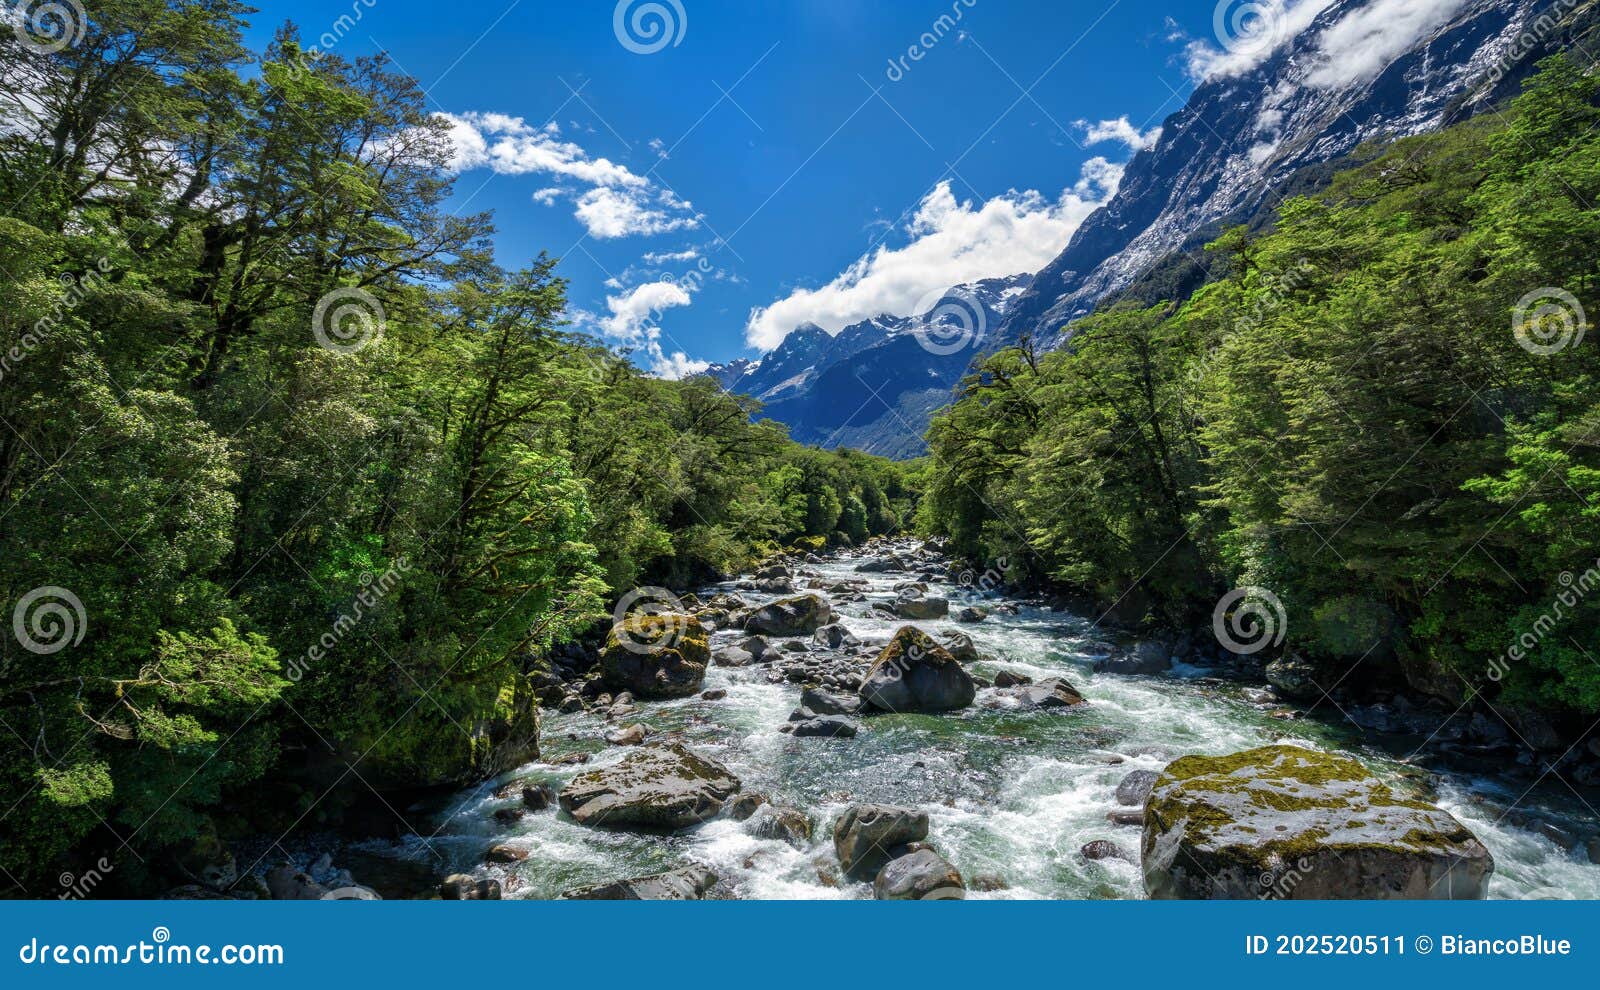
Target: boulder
461 887
688 884
789 825
865 834
715 694
915 674
1149 657
537 797
289 884
822 727
834 636
1297 824
505 854
1135 788
633 735
886 565
1104 849
1006 679
914 606
655 788
1056 692
742 807
922 876
799 616
961 647
1296 678
820 702
656 656
972 614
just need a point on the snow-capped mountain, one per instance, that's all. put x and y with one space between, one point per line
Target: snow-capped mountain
1363 70
875 384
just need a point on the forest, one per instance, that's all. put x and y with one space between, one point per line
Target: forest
1382 412
298 486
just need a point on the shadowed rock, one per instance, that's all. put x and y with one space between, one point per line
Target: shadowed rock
655 788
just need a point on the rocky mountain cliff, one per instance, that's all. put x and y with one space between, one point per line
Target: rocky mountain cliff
1365 70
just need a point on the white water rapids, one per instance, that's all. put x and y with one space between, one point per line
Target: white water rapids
1012 796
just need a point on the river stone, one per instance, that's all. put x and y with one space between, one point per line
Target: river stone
1007 679
462 887
921 607
1149 657
1055 692
915 674
688 884
820 702
865 834
659 788
1135 787
922 876
823 727
961 646
1104 849
784 824
834 636
972 614
1234 826
1296 678
656 656
799 616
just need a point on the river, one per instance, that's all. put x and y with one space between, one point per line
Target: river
1012 796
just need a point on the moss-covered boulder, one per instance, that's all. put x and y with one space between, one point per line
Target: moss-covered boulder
1283 822
654 789
656 656
916 674
867 836
798 616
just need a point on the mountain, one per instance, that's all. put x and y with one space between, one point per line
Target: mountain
1365 70
875 384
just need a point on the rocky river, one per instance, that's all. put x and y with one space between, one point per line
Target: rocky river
1027 793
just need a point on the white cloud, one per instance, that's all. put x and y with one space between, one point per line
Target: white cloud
675 365
634 313
951 242
617 203
667 257
1250 32
1121 130
611 213
1365 41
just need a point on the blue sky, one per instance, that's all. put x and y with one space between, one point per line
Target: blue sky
772 165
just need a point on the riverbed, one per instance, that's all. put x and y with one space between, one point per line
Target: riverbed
1012 796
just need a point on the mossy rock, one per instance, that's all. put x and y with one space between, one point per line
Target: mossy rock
1284 822
914 673
656 656
653 789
